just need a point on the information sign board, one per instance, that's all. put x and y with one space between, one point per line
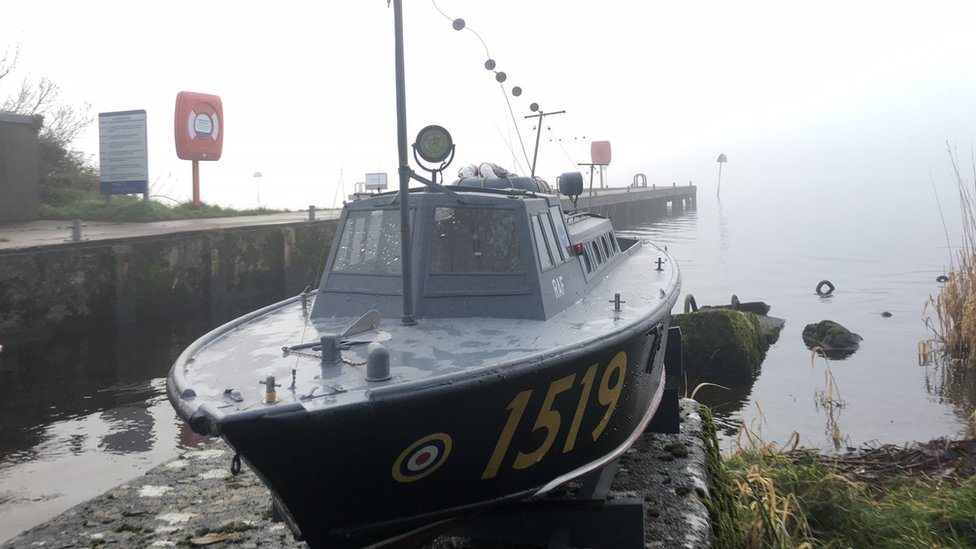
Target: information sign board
123 152
376 182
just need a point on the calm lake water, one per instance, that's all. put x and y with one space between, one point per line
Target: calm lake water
883 252
81 415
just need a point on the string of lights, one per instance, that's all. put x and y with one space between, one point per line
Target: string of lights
500 77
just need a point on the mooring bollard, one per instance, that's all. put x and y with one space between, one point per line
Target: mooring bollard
75 230
311 213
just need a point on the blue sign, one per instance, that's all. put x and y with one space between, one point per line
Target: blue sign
124 187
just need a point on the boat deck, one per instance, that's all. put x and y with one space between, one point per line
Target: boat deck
430 352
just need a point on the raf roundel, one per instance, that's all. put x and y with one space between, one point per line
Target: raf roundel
422 458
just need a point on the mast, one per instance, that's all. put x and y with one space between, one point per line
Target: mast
535 107
406 261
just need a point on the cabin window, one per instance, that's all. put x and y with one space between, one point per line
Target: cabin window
370 243
596 252
606 247
586 260
557 220
613 242
474 240
542 246
554 247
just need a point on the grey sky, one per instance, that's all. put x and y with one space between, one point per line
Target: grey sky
800 94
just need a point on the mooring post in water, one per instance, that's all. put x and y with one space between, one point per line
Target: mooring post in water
311 212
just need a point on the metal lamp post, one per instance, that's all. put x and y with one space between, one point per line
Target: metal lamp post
257 181
721 160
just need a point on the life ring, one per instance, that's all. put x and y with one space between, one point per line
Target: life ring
820 288
690 304
942 278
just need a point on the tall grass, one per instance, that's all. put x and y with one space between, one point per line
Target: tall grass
789 498
798 500
954 309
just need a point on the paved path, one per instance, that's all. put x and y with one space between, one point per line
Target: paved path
49 233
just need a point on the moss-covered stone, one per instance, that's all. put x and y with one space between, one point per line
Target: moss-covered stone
721 344
755 307
721 502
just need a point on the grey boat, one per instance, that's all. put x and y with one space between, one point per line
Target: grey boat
506 348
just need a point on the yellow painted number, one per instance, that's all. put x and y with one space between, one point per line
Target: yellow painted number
580 409
516 408
610 395
608 392
549 420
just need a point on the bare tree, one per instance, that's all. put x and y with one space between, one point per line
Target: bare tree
41 97
8 60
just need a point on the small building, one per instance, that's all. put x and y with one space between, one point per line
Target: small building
19 166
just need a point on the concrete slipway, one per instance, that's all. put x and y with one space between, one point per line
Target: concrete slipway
195 501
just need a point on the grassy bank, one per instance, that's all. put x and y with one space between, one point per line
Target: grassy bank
923 496
91 206
69 189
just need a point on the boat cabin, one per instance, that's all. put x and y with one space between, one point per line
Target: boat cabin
504 253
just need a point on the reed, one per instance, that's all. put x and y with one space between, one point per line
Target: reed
829 399
791 498
700 386
951 315
761 513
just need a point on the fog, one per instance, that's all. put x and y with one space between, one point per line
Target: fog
831 101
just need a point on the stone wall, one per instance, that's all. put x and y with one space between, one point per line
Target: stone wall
19 159
44 291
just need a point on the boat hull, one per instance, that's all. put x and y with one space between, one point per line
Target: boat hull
364 474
